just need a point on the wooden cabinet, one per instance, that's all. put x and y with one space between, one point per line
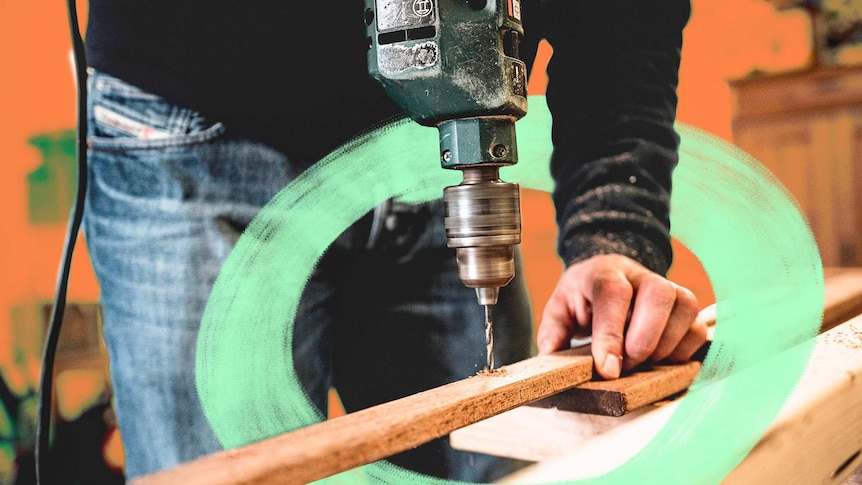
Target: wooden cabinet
806 127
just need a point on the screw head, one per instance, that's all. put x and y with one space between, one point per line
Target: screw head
499 151
446 156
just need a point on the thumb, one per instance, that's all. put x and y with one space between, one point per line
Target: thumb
609 364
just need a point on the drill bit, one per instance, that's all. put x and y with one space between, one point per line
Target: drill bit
489 339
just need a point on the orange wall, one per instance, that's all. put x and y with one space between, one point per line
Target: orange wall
37 95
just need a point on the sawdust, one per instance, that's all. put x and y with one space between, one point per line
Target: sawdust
501 372
852 339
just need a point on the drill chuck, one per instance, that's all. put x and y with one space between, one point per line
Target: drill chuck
483 224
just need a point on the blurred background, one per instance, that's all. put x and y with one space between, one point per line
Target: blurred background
781 79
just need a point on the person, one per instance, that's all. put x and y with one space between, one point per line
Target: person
201 111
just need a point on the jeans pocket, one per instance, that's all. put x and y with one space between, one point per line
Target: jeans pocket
124 117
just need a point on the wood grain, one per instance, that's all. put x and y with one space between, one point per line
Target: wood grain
842 297
626 394
538 434
803 127
375 433
817 436
597 454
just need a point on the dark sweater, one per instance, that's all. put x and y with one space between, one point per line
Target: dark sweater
293 74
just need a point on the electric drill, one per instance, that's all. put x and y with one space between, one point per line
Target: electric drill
454 64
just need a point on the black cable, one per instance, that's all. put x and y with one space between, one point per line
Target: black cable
43 425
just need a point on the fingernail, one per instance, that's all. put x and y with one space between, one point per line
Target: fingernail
612 366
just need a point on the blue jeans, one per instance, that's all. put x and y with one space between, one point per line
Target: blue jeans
383 316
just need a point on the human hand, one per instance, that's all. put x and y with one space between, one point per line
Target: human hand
632 313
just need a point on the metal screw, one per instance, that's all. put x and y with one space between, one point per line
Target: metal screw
499 151
446 156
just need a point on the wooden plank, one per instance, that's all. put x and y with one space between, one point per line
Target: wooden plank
842 297
816 438
645 385
626 394
597 454
820 428
537 434
375 433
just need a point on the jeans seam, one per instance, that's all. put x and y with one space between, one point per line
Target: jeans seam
118 145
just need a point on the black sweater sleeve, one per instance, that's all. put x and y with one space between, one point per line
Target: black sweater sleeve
612 84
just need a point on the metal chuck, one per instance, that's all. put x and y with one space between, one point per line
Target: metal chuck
483 224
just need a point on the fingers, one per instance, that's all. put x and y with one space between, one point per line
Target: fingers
610 295
679 323
694 338
565 309
662 317
633 314
557 324
651 317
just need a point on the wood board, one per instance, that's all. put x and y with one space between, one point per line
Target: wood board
816 438
375 433
626 394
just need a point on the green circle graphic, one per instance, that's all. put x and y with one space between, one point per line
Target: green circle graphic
751 239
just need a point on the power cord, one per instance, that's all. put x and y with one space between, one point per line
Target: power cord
43 425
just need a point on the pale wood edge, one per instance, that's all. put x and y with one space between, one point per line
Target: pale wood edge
557 432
